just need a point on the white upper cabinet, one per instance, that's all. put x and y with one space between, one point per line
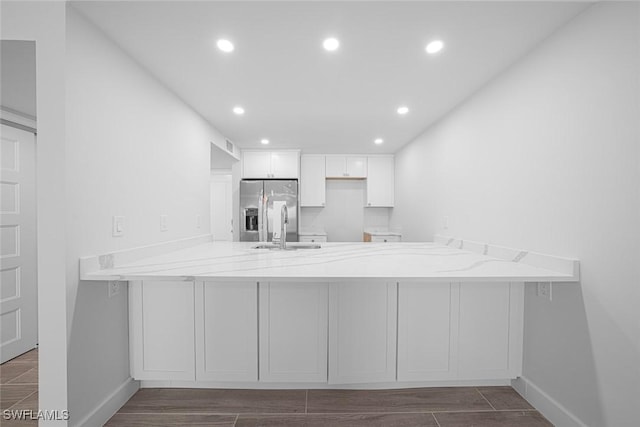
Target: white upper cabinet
380 181
346 166
312 181
270 164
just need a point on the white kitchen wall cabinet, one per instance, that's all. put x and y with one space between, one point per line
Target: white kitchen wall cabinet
362 332
261 164
380 181
346 166
312 181
293 332
162 335
428 331
226 331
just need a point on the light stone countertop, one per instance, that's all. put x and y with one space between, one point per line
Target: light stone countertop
423 262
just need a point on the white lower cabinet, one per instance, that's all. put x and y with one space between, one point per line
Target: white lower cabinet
467 331
293 332
226 331
427 331
491 330
342 333
161 330
362 332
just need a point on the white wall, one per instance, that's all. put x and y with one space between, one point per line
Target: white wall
133 149
44 23
344 216
547 158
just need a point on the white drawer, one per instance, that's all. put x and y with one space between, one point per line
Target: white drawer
385 238
312 239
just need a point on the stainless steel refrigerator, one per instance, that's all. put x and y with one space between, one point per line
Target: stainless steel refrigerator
257 201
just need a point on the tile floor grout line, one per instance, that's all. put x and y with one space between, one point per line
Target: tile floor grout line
21 375
486 400
23 399
434 417
462 411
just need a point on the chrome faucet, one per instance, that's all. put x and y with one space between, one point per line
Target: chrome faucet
284 220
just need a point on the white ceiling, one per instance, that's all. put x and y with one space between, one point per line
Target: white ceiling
298 95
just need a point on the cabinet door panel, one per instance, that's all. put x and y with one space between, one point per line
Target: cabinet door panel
380 182
362 331
335 166
427 331
227 331
162 323
484 330
312 181
256 164
284 164
293 332
356 167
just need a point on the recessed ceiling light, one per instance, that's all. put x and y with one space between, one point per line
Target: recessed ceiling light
331 44
225 45
238 110
403 110
264 141
434 47
378 141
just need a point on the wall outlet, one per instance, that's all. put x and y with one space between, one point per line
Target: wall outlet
545 290
114 288
164 222
117 226
198 221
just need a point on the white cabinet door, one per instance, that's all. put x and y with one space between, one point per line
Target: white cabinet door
312 239
293 332
362 332
427 331
356 167
380 182
346 166
161 316
490 337
256 164
335 166
312 181
227 331
285 164
385 238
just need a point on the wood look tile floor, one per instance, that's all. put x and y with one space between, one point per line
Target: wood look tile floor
19 387
436 407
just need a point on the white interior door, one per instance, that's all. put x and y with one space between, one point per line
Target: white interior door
221 208
18 281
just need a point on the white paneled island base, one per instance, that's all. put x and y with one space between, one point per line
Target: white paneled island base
241 328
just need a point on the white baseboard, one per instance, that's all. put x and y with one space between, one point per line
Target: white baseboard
545 404
109 406
320 386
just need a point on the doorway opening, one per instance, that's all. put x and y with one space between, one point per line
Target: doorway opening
221 194
18 239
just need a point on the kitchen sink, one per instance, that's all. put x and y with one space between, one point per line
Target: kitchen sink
290 246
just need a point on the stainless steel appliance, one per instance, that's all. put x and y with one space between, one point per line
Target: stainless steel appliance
260 207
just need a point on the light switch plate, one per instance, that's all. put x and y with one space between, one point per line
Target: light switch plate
117 226
545 290
114 288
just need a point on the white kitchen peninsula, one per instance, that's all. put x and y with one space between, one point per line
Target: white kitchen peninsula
346 315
